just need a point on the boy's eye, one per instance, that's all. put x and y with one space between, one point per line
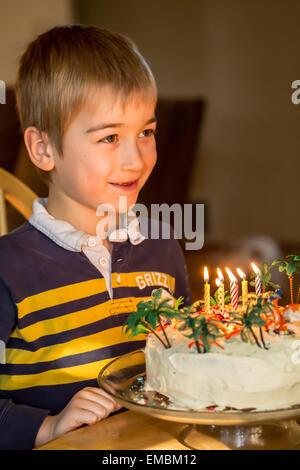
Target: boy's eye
111 139
150 132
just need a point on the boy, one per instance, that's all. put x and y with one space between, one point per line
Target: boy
86 101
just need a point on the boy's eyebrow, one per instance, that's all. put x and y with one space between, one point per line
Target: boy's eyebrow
116 124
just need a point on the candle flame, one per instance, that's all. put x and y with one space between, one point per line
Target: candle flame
218 282
220 275
206 276
255 268
241 273
231 276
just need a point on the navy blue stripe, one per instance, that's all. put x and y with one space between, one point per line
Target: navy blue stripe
49 397
69 335
71 361
63 309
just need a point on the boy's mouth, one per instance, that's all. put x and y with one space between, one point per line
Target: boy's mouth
126 185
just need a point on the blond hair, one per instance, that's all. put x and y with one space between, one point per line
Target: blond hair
60 67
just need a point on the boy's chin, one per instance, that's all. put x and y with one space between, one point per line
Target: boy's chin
118 206
124 204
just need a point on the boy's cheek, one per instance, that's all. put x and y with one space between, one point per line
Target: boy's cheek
80 184
150 166
88 173
153 160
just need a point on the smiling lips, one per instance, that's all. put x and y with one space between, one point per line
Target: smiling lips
126 186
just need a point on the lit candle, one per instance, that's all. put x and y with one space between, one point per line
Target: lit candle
234 290
220 294
257 279
244 285
220 284
206 290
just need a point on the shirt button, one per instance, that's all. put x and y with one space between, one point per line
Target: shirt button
92 241
103 261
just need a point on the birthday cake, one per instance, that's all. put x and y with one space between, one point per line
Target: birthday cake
236 375
219 358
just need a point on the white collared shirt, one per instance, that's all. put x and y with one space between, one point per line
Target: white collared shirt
65 235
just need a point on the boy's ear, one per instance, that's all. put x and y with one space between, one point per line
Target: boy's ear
39 149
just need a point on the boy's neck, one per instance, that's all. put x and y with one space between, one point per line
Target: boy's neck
79 216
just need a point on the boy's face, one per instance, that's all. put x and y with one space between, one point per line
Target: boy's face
100 164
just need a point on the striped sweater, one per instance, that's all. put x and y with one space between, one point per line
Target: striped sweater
60 325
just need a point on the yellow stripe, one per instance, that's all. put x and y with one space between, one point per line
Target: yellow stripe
77 319
63 323
80 290
60 295
76 346
59 376
53 377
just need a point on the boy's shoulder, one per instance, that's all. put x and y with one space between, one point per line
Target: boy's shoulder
25 227
24 241
24 233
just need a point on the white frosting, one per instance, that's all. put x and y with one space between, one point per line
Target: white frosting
240 376
292 315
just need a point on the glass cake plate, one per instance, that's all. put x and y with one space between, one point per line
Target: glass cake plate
123 379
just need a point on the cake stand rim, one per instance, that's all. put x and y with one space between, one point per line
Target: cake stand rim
217 418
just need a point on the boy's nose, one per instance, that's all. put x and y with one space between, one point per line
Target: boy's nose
132 158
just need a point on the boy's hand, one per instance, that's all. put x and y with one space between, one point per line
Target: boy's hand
89 405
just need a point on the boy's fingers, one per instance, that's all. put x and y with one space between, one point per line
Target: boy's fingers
82 411
101 408
84 416
100 391
96 392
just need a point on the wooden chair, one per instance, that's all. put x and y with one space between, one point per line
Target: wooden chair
15 192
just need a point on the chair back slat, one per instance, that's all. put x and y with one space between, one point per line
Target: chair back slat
3 217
